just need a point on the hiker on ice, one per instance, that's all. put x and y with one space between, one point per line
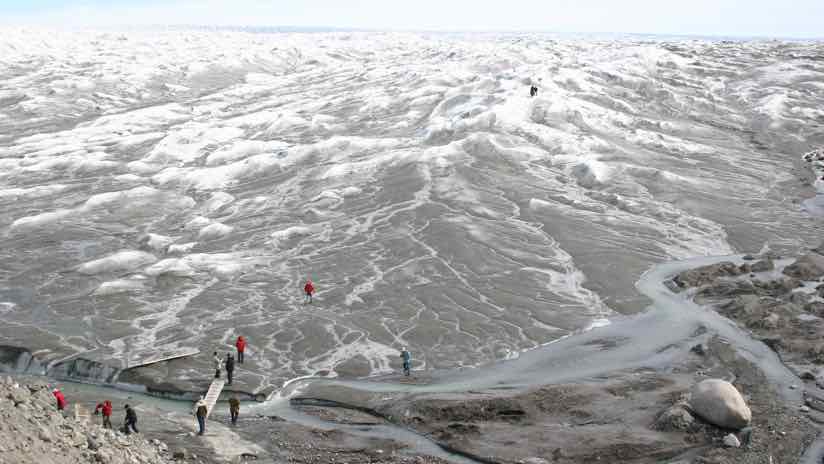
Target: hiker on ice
308 289
201 411
407 361
234 408
533 91
131 421
61 400
106 408
230 368
218 365
241 347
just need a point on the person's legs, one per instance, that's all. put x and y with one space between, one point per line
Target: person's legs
134 427
240 357
229 376
201 424
234 416
217 373
107 422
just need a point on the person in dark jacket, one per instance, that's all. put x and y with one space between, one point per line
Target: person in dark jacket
234 408
230 368
241 347
201 411
407 361
106 408
131 421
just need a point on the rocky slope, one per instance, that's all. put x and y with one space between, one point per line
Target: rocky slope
32 431
779 301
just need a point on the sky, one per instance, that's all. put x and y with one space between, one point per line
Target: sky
747 18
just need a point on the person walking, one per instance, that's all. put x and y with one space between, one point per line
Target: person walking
218 365
61 400
106 408
241 347
201 411
234 409
131 421
230 368
308 289
407 361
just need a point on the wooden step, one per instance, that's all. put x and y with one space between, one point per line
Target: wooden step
213 395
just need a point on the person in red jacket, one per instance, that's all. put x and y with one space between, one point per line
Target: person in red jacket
309 289
61 400
106 408
241 347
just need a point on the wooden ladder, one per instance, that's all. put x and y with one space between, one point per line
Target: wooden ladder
213 395
81 414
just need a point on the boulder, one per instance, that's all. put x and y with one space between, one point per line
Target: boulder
675 418
763 266
807 267
731 441
719 403
92 443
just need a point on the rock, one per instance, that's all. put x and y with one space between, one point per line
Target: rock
798 298
92 443
18 395
807 267
731 441
675 418
804 409
44 434
706 274
535 461
807 375
672 286
772 321
103 457
718 402
748 258
179 455
763 266
745 268
700 349
777 287
815 308
726 289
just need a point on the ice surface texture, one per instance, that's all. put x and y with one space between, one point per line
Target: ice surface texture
177 188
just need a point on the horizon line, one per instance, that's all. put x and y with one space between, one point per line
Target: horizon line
322 29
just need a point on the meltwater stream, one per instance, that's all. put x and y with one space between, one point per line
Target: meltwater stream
651 339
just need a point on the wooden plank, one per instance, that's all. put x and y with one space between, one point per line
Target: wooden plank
213 395
81 414
137 359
